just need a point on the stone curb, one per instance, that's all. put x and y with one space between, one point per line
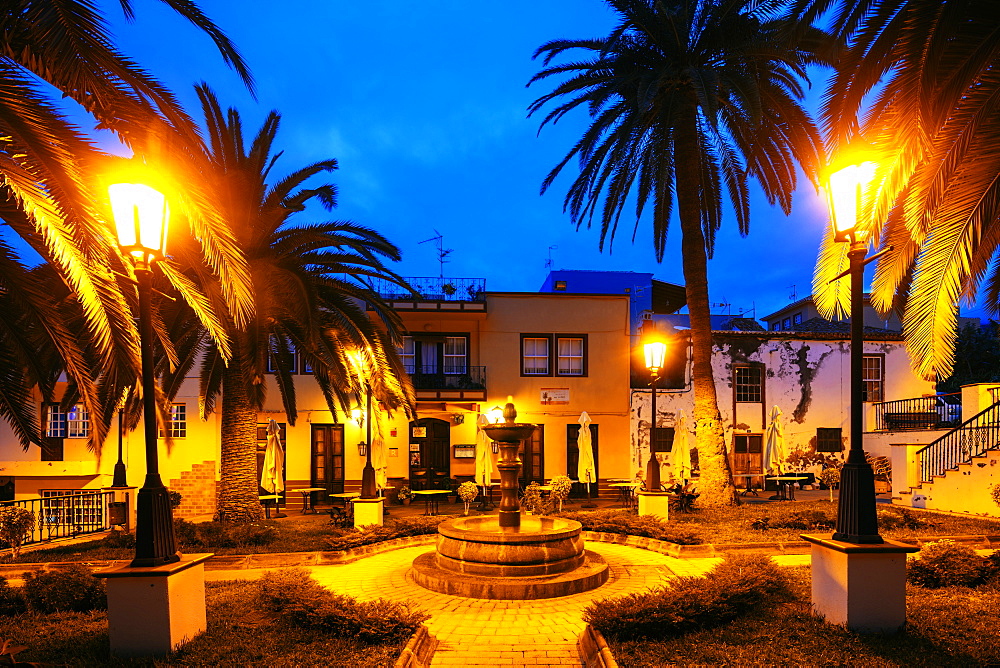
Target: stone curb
418 651
594 650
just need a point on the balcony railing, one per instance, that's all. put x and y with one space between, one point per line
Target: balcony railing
448 377
943 411
434 288
976 435
67 514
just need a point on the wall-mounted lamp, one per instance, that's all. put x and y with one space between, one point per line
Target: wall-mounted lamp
496 447
362 449
458 418
495 416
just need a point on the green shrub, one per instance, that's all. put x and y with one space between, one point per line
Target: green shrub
15 523
945 563
73 589
118 539
175 498
11 599
901 518
628 523
186 532
812 520
302 602
739 585
223 534
348 538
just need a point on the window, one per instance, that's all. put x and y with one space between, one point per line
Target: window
570 352
409 355
534 356
775 326
748 383
828 439
455 348
873 375
560 286
570 361
664 441
74 423
797 319
281 355
178 421
786 323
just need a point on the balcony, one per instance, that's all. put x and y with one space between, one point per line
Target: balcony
435 294
449 383
943 411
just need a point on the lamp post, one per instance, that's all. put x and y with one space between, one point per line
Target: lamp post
368 490
857 521
655 351
141 214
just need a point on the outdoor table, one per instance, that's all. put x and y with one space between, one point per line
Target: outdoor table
626 492
307 499
786 489
749 489
431 499
267 506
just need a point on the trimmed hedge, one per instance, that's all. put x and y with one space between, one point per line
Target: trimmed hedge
740 584
72 589
628 523
302 602
223 534
945 563
349 538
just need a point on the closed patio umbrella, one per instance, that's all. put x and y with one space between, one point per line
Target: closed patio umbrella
380 463
271 477
680 450
774 446
484 464
586 468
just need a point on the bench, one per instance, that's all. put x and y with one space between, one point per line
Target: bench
913 420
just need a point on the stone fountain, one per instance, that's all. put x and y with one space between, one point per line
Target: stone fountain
509 556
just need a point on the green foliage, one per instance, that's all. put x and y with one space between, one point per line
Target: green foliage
740 584
945 563
118 539
628 523
11 599
223 534
810 520
175 498
405 493
72 589
995 494
348 538
532 499
15 523
898 517
830 476
561 487
300 600
977 357
467 491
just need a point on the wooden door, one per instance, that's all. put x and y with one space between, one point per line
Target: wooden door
327 458
430 451
748 453
533 457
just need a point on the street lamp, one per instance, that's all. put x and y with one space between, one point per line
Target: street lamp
656 352
857 521
368 490
141 215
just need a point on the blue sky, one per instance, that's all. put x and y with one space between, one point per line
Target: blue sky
424 106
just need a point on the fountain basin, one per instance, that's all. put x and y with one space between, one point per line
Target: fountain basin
541 558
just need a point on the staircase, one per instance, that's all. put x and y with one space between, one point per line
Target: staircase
958 471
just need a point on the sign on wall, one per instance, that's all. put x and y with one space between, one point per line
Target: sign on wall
555 395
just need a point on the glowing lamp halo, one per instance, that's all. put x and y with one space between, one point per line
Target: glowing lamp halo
141 215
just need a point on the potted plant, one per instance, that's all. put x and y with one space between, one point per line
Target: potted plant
467 491
561 486
405 495
830 477
532 499
449 289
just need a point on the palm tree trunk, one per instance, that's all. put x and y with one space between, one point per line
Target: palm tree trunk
238 499
716 482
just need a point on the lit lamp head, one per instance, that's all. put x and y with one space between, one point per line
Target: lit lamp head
141 215
845 190
656 352
357 415
495 416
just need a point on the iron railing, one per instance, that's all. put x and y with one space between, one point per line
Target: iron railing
976 435
65 514
937 412
433 288
995 394
448 377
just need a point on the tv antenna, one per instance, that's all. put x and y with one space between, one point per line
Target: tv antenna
548 263
441 250
792 296
725 305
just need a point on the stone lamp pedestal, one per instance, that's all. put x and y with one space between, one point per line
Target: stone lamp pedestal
368 511
654 503
861 586
155 609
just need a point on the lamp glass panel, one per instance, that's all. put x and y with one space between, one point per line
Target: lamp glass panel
655 351
141 216
845 189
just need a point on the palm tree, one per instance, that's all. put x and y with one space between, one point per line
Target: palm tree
309 300
47 168
687 99
920 82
